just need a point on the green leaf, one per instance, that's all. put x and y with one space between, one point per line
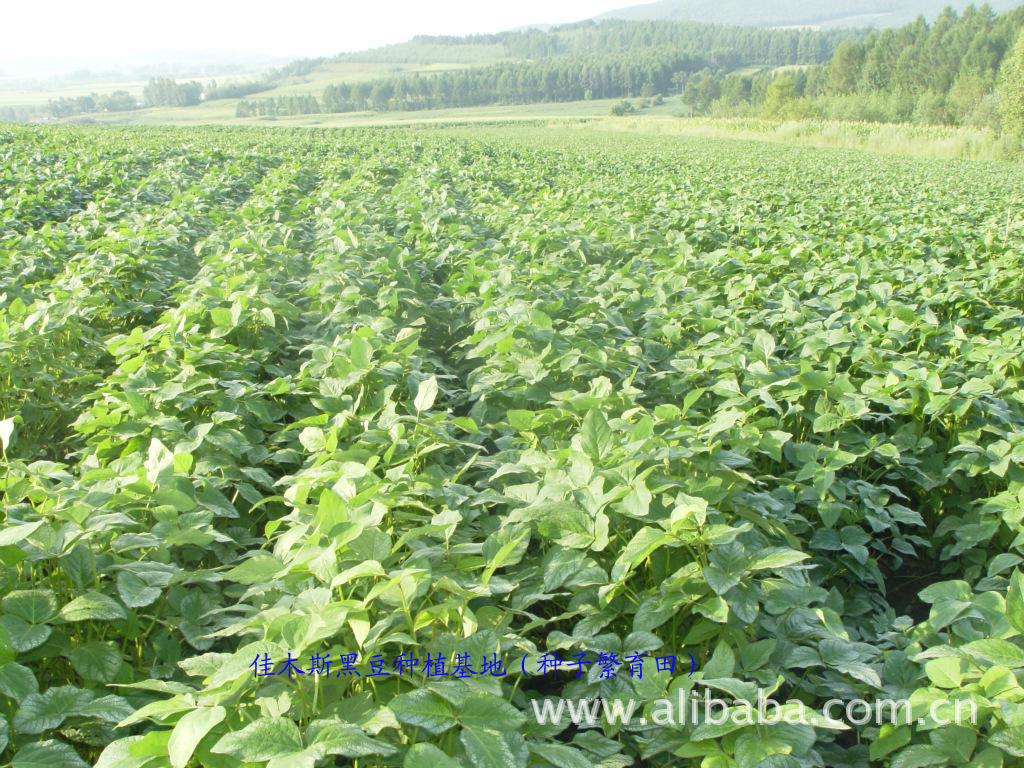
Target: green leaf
219 668
814 380
1010 741
488 748
424 709
94 605
722 663
595 435
44 712
637 550
48 754
265 739
827 422
159 464
360 352
715 729
890 738
764 345
638 501
956 741
562 755
110 709
945 611
170 497
13 534
714 607
775 557
337 738
256 570
504 549
428 756
996 651
724 420
7 652
190 730
96 662
134 592
216 502
945 672
485 710
568 525
221 317
919 756
118 755
33 605
692 397
426 394
24 636
153 744
17 681
772 443
1015 601
466 424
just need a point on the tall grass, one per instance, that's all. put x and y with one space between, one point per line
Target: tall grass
888 138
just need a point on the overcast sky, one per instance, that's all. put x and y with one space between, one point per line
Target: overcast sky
104 29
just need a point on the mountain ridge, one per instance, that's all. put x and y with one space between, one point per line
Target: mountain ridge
798 13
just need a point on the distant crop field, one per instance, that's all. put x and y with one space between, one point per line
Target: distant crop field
222 112
506 447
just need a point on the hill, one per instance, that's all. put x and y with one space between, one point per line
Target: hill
794 13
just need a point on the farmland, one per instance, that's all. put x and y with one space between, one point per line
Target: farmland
490 397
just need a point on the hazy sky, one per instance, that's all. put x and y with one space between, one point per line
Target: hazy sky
106 28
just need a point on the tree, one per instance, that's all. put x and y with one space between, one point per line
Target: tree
1011 89
844 71
361 93
380 95
164 92
778 98
117 101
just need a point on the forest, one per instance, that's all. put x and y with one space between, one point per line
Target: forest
945 72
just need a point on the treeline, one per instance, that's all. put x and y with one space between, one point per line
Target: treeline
940 73
297 68
118 101
237 90
569 79
943 73
744 45
66 106
283 105
164 92
624 60
470 49
751 44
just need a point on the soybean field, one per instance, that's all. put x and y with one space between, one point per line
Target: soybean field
379 447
